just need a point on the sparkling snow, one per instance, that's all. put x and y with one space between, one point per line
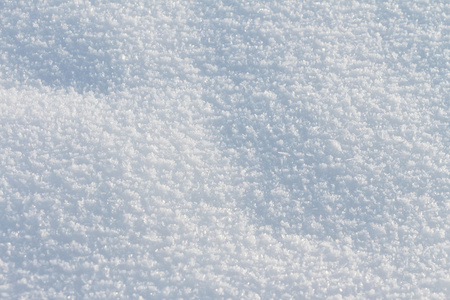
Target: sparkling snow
224 149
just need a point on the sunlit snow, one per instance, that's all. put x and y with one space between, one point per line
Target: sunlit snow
224 149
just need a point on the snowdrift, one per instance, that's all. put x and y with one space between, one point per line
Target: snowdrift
224 149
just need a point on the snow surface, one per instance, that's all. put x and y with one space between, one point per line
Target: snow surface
224 149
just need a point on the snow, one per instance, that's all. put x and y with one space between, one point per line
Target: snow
224 149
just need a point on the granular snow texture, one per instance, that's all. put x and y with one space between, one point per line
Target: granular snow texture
224 149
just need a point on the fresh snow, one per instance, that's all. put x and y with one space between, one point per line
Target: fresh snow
224 149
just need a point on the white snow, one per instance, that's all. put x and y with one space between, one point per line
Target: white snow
224 149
